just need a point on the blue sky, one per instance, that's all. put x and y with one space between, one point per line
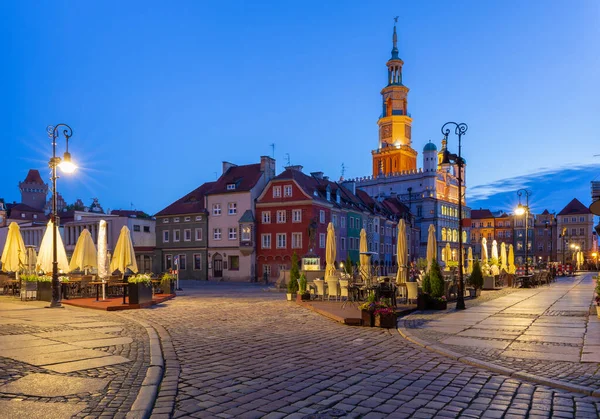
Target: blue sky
158 94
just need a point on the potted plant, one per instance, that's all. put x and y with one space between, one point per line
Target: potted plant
385 317
438 287
167 283
423 299
140 288
476 280
292 287
29 283
303 294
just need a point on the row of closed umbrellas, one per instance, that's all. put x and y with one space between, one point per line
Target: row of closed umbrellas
15 256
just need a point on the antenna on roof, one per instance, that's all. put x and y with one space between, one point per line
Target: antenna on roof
287 156
273 149
343 171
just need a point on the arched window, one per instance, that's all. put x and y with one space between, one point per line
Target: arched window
464 236
443 234
454 235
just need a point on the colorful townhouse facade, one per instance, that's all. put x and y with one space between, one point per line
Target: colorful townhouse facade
575 225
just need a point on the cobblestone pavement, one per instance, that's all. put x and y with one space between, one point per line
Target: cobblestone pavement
546 331
246 353
36 344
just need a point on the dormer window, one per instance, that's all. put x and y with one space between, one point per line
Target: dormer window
231 186
176 219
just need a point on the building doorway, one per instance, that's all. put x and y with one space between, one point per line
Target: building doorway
217 266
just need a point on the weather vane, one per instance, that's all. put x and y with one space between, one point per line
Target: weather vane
396 19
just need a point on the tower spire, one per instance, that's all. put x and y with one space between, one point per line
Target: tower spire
395 41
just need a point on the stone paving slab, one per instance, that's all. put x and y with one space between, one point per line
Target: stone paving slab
46 385
101 343
555 349
543 356
49 348
40 359
482 333
550 339
26 344
38 410
87 364
477 343
91 325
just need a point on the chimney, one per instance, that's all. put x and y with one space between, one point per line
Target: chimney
326 178
317 175
267 166
350 185
296 167
227 165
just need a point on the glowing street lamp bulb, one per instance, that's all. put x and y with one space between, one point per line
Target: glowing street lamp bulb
66 165
520 210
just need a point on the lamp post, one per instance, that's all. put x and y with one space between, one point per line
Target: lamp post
520 211
67 166
459 130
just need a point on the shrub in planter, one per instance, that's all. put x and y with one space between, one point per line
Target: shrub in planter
167 283
437 280
426 283
293 285
140 288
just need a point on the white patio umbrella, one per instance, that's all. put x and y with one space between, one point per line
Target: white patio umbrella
44 259
124 256
503 261
484 251
14 252
470 261
364 258
431 246
495 250
102 257
330 251
84 256
402 256
511 260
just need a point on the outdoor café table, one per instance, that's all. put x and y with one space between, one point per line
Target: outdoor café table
525 281
12 284
97 284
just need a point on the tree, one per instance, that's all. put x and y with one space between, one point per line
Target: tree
426 283
437 280
294 275
476 278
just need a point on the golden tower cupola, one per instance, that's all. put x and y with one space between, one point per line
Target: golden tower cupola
394 153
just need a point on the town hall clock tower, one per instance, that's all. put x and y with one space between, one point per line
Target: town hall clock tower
394 154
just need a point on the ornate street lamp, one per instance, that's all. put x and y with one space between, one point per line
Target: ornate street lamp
524 210
459 130
67 166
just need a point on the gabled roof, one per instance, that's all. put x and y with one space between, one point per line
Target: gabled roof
243 177
575 207
25 207
191 203
481 213
33 176
247 217
545 212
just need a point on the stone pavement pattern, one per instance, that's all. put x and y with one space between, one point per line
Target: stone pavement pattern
69 362
546 331
245 353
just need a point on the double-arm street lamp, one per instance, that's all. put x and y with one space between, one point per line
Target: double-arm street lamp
524 209
67 166
459 130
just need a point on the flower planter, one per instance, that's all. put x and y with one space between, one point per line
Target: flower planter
302 297
290 296
422 301
438 305
473 293
386 321
139 293
368 319
44 290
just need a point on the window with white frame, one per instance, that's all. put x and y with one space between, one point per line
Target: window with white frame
168 262
232 233
246 233
216 209
232 208
165 221
343 244
582 231
281 216
197 261
198 218
267 270
281 240
322 216
296 216
266 217
231 186
581 219
176 235
187 235
351 222
217 233
176 219
198 233
296 240
182 262
187 219
265 240
276 191
287 190
322 240
334 219
165 236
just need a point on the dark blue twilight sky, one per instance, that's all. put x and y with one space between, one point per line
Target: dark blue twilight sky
159 93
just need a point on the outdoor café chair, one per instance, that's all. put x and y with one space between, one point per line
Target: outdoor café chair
332 289
343 289
319 283
412 291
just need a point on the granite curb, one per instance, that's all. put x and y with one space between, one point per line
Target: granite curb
144 402
522 375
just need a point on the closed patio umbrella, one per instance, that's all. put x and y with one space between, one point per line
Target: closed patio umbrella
503 262
124 256
484 251
511 260
470 261
31 259
495 250
431 246
102 257
402 256
14 252
330 251
84 256
44 259
364 258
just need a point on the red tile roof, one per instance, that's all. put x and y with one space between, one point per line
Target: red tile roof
243 177
481 213
33 177
575 207
192 203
